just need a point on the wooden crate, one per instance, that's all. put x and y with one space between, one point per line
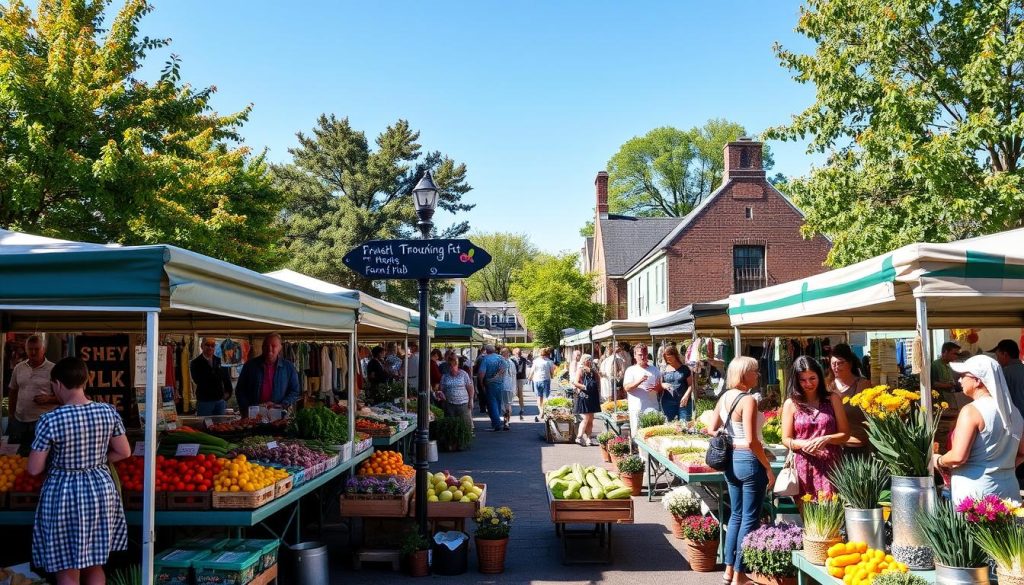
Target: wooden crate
560 431
283 486
458 509
266 577
361 505
590 511
189 500
242 500
23 500
133 500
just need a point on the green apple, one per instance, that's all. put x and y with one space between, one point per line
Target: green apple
465 500
438 477
432 499
457 495
465 479
445 496
472 497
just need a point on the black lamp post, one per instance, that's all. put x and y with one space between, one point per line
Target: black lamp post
504 321
425 199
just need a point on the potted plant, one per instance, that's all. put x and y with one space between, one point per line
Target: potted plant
415 551
492 529
602 440
128 576
618 447
701 539
823 518
860 481
650 418
902 435
958 557
995 527
680 503
900 579
453 434
768 553
631 472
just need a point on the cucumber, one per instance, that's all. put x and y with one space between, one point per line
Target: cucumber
619 494
599 495
594 483
561 471
585 493
572 488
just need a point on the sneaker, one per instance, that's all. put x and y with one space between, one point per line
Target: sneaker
521 415
536 419
507 428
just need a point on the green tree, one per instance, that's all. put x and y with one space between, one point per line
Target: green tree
341 192
668 171
509 254
919 108
588 229
553 295
89 151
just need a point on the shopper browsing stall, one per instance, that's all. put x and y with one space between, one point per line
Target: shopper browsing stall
492 374
588 398
212 381
268 379
814 426
542 371
521 364
79 519
848 380
458 391
943 376
987 443
677 382
508 389
642 385
31 395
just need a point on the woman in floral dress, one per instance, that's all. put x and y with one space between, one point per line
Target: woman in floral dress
814 427
79 519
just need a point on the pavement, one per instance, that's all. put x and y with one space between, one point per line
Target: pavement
511 464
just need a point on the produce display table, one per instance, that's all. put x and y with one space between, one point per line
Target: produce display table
227 518
601 513
402 438
808 572
611 424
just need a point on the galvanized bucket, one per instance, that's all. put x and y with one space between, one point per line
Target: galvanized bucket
866 525
961 575
911 496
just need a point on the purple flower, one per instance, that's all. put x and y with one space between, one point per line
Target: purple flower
775 538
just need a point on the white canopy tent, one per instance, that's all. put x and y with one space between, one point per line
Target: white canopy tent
978 282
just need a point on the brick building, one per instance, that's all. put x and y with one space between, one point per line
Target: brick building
743 236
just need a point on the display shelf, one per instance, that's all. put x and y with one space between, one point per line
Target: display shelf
395 438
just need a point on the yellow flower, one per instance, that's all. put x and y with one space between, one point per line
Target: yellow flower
494 520
806 498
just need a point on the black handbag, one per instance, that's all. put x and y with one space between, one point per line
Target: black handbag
719 454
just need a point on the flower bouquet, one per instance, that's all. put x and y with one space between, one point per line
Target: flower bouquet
996 526
768 553
823 518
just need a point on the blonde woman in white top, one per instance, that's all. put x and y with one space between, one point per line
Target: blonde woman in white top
749 475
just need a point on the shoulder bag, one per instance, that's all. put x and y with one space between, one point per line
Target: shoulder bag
719 454
786 482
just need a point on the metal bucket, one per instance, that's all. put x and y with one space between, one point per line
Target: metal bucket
866 525
309 563
911 496
961 576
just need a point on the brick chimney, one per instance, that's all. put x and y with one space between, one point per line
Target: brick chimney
601 186
743 159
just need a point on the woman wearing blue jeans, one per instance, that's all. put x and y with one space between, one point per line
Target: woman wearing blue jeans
749 475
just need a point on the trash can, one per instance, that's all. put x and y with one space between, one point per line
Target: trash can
451 553
308 563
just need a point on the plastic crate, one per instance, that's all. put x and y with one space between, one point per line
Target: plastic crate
267 548
208 544
237 567
173 567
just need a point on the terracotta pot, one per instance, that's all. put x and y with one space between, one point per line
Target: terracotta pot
490 555
605 456
816 551
419 565
677 526
1008 578
703 556
769 580
634 481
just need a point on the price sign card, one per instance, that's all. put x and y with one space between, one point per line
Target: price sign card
187 450
140 449
272 445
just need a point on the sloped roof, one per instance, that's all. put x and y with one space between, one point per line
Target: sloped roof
627 239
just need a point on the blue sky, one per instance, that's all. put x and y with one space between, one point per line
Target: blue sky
534 97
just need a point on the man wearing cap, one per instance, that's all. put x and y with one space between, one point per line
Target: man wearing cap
1007 353
943 377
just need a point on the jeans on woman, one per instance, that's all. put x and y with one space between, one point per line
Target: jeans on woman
669 405
747 481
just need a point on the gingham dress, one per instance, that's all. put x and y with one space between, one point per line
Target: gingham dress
79 519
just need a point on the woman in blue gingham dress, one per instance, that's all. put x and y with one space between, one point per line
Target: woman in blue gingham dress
79 519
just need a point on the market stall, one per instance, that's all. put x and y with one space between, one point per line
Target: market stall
59 286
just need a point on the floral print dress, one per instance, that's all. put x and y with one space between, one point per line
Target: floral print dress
813 470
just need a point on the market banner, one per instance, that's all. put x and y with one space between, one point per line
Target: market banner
110 370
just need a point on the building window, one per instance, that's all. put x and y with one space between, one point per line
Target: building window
748 268
750 213
744 158
510 321
447 316
495 321
481 320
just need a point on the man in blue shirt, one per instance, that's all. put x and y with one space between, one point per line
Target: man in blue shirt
492 371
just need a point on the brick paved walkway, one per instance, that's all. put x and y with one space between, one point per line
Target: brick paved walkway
511 464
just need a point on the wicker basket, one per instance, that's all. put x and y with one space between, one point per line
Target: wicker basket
283 486
243 500
816 551
490 555
1009 579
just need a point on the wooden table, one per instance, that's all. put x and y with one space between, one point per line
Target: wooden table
611 423
601 513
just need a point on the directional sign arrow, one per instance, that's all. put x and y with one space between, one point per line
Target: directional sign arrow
414 259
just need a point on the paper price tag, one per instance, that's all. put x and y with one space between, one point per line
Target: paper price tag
208 422
272 445
254 412
9 449
140 449
187 450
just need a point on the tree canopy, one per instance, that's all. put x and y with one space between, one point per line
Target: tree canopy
553 295
509 254
668 171
89 151
342 192
920 108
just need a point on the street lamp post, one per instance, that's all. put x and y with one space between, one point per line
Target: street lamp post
425 200
504 321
